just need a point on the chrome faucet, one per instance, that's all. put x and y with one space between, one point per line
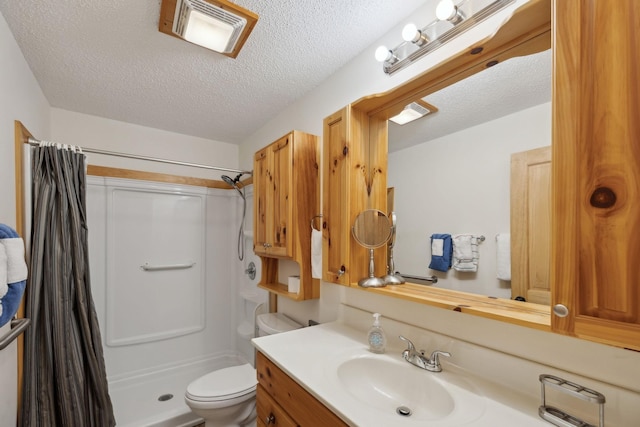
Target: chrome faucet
417 358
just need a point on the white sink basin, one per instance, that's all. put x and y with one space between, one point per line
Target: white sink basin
404 394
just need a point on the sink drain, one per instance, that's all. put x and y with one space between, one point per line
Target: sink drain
404 411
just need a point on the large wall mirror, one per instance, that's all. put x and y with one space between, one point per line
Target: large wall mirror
450 171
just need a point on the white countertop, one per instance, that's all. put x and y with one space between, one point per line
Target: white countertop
311 355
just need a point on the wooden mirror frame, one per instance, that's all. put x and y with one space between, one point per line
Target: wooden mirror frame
528 31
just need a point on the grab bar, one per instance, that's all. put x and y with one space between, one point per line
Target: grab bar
149 267
17 327
432 279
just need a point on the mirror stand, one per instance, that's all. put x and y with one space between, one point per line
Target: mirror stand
371 229
372 281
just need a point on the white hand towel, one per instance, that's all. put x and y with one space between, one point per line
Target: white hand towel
316 254
465 252
503 256
16 267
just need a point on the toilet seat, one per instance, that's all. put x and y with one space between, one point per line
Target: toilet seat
224 384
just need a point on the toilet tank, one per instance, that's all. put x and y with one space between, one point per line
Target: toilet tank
274 323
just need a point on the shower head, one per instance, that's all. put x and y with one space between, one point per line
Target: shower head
233 183
228 180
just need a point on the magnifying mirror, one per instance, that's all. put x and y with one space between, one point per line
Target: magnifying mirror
371 229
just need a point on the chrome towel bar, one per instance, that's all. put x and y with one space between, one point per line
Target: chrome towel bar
17 327
432 279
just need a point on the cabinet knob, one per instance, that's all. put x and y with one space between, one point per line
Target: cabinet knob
270 419
560 310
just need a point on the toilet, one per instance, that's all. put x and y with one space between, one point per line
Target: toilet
227 397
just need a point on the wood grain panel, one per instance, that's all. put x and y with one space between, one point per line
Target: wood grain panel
269 411
261 179
335 215
279 192
527 314
301 406
596 186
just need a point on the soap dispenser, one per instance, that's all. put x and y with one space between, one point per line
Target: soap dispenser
377 339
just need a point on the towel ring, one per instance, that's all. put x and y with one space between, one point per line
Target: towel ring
312 220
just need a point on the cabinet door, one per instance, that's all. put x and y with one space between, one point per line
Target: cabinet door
335 194
280 209
261 178
596 170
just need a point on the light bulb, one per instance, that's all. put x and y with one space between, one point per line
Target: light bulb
383 54
410 32
446 10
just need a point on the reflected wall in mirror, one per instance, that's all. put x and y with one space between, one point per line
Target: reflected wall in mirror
451 170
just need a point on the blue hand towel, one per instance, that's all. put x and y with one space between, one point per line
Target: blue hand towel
13 270
441 251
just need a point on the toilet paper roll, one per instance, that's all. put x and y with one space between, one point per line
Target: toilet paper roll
293 285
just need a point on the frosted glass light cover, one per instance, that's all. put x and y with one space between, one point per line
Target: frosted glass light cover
208 32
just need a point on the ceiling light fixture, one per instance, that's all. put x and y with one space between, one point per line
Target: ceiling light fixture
413 111
218 25
453 20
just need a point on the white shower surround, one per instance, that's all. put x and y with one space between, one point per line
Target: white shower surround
139 373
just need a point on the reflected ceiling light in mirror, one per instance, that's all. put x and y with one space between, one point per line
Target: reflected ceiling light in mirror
453 19
413 111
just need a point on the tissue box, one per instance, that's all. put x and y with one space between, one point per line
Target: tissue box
294 284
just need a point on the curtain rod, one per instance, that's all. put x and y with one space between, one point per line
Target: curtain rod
33 141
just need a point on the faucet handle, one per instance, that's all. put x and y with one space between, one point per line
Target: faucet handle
410 345
434 360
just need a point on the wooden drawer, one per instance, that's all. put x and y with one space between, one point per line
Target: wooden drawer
270 413
301 406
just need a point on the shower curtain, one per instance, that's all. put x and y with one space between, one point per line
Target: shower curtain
64 372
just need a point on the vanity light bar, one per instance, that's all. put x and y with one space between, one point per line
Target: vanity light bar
419 42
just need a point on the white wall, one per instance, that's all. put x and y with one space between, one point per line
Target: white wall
96 132
459 183
22 100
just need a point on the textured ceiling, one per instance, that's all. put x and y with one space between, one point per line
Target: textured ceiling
108 59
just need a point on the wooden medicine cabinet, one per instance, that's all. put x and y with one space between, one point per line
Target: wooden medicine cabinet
595 170
286 199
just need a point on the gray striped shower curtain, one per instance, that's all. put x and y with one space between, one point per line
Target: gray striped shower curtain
65 380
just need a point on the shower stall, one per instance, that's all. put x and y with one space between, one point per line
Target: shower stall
170 307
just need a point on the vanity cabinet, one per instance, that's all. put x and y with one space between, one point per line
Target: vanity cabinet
286 198
596 171
283 402
354 179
